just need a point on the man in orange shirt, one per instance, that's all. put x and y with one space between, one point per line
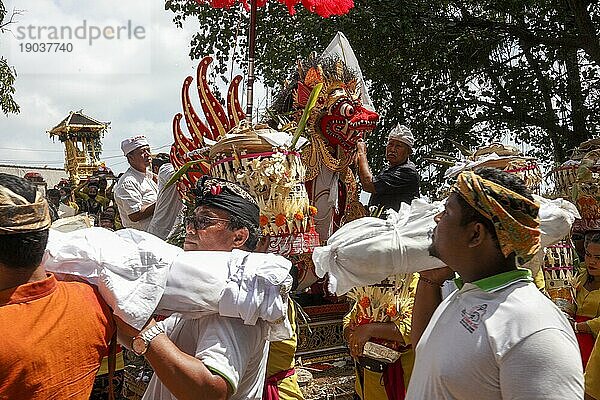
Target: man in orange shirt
54 334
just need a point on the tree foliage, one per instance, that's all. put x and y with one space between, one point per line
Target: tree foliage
7 73
466 71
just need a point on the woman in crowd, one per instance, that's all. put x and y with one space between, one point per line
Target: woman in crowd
587 318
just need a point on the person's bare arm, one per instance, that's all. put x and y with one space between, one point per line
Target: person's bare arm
146 212
185 376
364 171
81 185
427 299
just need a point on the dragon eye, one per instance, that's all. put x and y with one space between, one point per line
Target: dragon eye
346 110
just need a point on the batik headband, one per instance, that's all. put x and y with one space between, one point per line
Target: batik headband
515 217
17 215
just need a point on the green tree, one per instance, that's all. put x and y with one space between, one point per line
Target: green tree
7 73
466 71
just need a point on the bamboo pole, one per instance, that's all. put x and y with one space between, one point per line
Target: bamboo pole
251 47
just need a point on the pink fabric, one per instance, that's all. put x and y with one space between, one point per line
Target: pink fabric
393 380
270 391
585 340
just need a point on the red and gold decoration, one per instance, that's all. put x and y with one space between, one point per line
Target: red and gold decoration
324 8
335 124
392 300
255 157
192 151
559 276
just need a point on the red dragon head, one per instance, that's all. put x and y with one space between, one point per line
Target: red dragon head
346 120
339 114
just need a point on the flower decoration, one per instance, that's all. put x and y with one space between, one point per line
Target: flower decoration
216 189
275 180
263 220
280 220
383 303
391 311
313 210
365 302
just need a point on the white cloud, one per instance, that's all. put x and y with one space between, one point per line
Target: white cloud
141 100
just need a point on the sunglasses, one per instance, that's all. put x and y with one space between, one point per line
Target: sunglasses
202 222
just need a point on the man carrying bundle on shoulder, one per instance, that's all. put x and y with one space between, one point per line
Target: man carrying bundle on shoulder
497 336
212 357
54 334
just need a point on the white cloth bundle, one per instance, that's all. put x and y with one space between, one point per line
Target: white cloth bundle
556 218
368 250
138 275
235 284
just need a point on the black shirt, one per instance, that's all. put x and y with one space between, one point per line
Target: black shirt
395 185
90 206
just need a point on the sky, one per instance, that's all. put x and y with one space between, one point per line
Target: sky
134 80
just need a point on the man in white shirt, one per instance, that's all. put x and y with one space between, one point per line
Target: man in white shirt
136 192
496 337
211 357
168 204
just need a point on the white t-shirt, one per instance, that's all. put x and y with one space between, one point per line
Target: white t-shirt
168 204
135 190
65 211
505 342
227 347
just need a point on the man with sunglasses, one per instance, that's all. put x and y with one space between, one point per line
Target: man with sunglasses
136 192
212 357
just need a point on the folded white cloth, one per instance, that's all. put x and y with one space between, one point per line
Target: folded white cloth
235 284
138 275
556 218
368 250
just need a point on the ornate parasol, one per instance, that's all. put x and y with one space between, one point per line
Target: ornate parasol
324 8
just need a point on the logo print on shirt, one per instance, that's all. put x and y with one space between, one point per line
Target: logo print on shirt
472 318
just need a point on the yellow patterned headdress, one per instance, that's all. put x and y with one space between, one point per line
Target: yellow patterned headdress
17 215
515 217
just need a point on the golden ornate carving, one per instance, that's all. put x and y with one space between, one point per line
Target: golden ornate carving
327 338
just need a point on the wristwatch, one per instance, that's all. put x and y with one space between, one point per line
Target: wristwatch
141 342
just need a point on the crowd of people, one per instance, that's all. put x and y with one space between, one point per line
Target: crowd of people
124 201
92 196
495 337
